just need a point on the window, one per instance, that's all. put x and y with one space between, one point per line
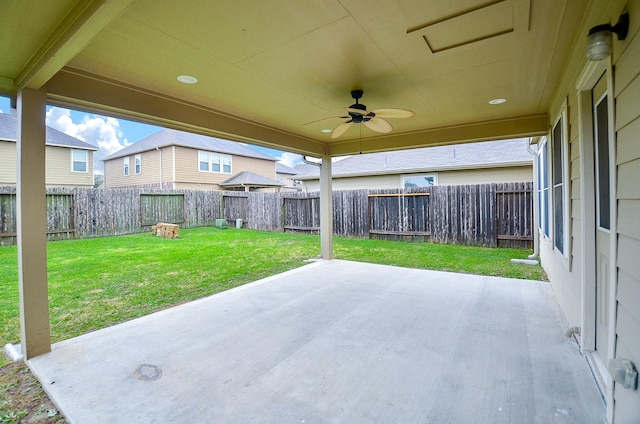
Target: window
138 163
423 180
214 162
543 186
79 161
226 164
559 178
602 163
125 162
203 161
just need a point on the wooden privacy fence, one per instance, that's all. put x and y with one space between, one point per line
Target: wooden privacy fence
481 215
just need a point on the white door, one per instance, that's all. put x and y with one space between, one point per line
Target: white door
603 216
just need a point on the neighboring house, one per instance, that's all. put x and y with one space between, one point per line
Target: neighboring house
69 161
473 163
285 174
178 160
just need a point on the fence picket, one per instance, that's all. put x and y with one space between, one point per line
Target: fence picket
482 215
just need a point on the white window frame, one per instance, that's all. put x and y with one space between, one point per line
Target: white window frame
403 179
563 185
137 160
203 158
85 161
218 160
125 166
543 175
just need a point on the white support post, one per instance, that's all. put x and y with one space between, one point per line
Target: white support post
326 209
32 224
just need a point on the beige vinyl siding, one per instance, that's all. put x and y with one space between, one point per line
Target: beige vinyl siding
188 174
149 175
454 177
8 168
486 175
58 166
627 87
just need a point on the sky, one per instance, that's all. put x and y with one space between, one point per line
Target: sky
112 134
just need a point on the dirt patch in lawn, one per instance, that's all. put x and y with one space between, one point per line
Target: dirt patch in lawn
22 399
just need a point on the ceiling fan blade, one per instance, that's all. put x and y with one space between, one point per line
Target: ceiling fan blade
341 129
356 111
326 119
393 113
378 125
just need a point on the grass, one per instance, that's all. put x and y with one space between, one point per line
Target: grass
95 283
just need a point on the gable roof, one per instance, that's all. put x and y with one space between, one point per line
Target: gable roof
9 132
168 137
247 178
284 169
489 154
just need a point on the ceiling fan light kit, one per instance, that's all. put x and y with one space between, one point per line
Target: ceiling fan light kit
373 119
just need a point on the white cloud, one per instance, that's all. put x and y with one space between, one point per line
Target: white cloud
102 132
290 159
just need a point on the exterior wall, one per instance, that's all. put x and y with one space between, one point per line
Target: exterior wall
179 170
627 126
565 274
8 168
187 168
58 166
457 177
513 174
149 171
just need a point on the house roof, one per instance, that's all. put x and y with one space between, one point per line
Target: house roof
489 154
168 137
248 178
284 169
9 132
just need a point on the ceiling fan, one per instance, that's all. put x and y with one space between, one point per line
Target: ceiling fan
372 119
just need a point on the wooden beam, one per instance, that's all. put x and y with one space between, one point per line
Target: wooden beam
523 126
79 26
76 89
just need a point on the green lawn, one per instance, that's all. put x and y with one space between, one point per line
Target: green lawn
95 283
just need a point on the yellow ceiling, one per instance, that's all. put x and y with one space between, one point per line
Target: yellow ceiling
266 69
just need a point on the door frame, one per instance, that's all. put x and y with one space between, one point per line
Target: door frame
590 75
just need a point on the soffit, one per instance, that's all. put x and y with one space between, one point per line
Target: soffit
284 64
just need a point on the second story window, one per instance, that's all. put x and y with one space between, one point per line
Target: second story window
79 161
138 163
125 162
214 162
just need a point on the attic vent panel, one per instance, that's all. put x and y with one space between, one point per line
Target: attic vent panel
471 26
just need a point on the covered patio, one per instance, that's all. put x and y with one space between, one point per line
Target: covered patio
334 341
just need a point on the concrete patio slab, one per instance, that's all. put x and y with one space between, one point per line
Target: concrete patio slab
334 342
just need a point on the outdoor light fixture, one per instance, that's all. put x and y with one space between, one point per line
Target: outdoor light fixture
599 43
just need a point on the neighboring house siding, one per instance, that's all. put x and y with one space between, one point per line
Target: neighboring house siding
149 175
188 175
486 176
627 126
181 172
457 177
58 166
8 166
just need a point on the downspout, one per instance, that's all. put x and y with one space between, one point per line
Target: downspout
536 212
308 162
160 151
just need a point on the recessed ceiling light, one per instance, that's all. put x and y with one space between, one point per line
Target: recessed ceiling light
497 101
187 79
326 130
